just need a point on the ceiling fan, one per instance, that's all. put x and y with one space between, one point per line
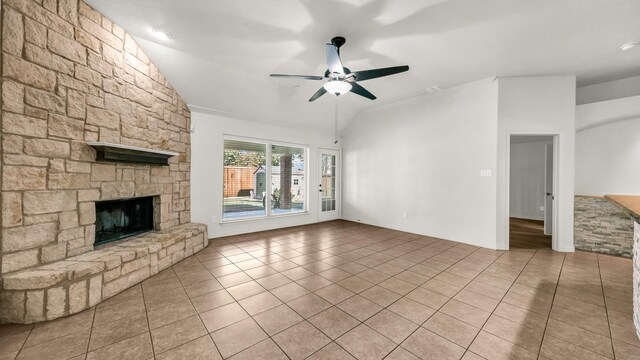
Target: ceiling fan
340 79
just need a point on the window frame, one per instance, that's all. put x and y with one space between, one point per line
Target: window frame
268 171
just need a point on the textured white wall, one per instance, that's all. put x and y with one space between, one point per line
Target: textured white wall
542 106
423 157
608 158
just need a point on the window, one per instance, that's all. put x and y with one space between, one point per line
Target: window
254 187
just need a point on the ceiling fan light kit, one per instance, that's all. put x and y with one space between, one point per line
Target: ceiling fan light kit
341 80
337 87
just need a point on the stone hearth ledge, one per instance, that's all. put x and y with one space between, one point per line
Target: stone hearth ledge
77 283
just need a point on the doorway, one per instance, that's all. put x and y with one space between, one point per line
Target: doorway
531 195
329 185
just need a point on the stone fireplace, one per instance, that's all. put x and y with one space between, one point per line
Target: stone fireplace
120 219
73 81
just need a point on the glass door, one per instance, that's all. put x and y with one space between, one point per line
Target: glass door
329 185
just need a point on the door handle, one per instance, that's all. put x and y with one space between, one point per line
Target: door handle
321 190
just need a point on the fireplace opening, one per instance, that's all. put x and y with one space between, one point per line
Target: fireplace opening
118 219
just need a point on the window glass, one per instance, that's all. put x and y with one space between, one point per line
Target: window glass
287 179
245 185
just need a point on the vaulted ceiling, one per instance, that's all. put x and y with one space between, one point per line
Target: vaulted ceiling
221 52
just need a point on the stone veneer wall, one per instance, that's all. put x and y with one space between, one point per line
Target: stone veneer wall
601 226
70 75
636 277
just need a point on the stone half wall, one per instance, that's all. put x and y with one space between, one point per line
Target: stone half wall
69 75
636 277
601 226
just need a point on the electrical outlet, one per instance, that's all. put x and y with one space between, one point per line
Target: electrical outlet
541 208
405 215
213 219
486 173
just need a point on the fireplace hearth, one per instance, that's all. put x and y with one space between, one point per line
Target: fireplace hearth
119 219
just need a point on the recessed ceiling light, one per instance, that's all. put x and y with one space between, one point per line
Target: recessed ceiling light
161 33
296 87
433 89
629 46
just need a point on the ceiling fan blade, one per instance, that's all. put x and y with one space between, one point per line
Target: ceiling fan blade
376 73
333 60
303 77
318 93
357 89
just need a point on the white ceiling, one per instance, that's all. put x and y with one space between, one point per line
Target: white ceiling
222 51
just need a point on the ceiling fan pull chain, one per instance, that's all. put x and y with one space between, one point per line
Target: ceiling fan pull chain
336 122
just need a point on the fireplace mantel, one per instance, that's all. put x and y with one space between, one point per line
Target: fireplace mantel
132 154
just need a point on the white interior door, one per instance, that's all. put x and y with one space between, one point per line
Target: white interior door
329 185
548 190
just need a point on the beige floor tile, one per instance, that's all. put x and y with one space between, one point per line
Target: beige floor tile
373 276
309 305
359 307
177 333
391 325
401 353
168 297
355 284
260 272
474 299
245 290
199 349
119 311
441 287
249 264
331 352
203 287
289 292
12 337
59 348
594 324
521 316
234 279
624 351
428 345
528 338
586 339
277 319
428 298
452 329
334 322
171 313
556 349
195 277
412 310
364 343
314 282
273 281
223 316
334 293
118 330
51 330
211 300
266 349
224 270
412 277
492 347
138 347
297 273
465 312
301 340
237 337
259 303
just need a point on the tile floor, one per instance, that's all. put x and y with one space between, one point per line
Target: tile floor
341 290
